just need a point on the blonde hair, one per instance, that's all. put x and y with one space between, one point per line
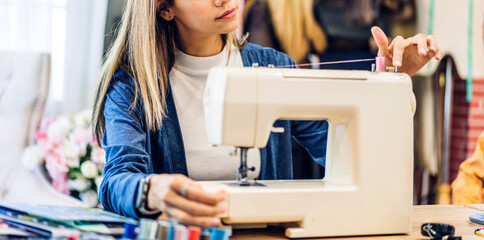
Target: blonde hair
145 48
295 27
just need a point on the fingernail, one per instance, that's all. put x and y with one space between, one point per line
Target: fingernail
222 209
215 222
433 49
422 51
398 63
222 196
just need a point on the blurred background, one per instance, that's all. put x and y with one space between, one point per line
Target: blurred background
51 52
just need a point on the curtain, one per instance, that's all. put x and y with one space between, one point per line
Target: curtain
86 20
71 31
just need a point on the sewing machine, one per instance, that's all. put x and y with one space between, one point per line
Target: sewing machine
367 189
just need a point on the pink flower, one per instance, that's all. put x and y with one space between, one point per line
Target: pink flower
39 135
98 156
61 143
82 137
49 144
61 184
56 165
45 123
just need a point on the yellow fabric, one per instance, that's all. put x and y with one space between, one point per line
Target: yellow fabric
467 187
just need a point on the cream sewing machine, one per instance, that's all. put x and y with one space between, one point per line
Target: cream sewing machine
367 189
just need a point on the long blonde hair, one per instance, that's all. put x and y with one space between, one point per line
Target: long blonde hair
295 27
145 48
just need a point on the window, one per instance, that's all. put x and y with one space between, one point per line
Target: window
72 31
40 26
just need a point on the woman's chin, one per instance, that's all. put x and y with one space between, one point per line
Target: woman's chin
228 28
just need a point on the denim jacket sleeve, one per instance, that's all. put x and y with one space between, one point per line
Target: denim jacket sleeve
312 135
124 142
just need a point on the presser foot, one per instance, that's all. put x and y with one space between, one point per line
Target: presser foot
243 179
242 171
248 184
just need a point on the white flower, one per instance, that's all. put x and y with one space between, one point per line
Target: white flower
56 165
32 157
89 198
83 118
71 152
72 162
89 169
60 128
79 184
98 182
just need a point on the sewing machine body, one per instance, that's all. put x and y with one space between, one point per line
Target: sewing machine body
368 182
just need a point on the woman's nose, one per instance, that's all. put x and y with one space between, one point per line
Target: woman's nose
219 3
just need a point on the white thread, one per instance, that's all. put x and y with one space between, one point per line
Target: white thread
327 63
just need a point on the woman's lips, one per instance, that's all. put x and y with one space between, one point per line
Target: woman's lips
228 14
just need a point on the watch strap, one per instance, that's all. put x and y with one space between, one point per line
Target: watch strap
142 197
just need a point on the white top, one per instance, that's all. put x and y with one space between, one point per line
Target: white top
188 78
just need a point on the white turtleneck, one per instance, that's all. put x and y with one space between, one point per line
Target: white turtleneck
187 79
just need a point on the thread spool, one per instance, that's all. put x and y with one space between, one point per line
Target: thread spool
380 64
148 229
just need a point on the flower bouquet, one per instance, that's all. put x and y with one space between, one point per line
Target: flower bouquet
69 156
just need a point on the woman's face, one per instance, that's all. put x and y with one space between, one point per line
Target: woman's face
206 17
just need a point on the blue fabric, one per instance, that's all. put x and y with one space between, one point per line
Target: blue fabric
133 151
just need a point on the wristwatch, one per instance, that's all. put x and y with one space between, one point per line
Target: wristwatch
142 197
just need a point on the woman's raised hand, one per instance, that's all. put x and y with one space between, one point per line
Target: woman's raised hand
183 200
410 54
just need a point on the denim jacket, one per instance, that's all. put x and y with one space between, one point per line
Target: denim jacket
133 151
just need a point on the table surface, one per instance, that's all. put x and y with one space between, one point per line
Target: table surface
458 216
476 206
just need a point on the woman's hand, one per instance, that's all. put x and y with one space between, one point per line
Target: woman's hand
410 54
184 200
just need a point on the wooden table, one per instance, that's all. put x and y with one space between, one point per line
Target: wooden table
458 216
476 206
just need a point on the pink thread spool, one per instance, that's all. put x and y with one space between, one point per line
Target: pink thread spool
181 233
380 64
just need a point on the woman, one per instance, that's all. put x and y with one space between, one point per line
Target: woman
149 113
